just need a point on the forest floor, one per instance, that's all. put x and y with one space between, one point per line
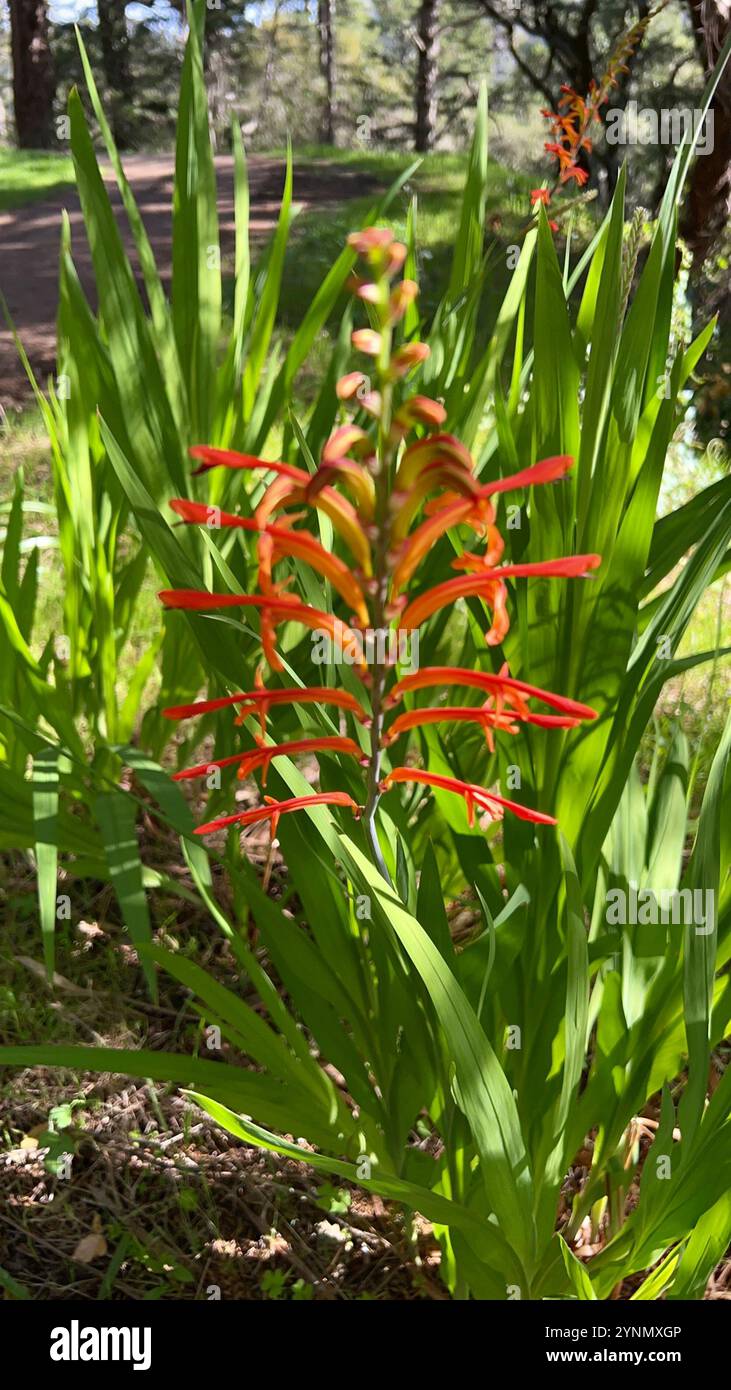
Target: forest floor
124 1189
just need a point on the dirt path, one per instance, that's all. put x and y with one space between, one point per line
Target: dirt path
29 241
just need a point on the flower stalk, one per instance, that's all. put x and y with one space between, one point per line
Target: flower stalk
392 488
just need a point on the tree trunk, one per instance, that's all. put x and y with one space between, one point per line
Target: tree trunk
115 58
708 204
34 85
325 23
426 75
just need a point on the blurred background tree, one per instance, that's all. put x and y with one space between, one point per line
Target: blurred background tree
32 74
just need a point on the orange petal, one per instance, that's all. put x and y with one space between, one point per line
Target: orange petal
485 585
402 296
547 471
353 476
419 410
424 453
448 474
304 547
347 439
283 608
227 458
253 758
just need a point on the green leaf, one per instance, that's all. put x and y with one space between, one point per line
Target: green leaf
116 818
45 824
481 1087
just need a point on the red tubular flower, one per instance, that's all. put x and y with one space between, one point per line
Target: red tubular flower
284 607
575 172
290 487
285 543
475 511
475 797
260 701
488 585
261 757
391 495
501 685
273 811
458 714
227 458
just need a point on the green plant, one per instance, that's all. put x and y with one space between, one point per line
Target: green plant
495 1089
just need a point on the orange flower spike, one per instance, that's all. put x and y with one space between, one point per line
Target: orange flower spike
389 491
275 809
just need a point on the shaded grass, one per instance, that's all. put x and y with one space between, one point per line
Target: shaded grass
26 176
437 184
